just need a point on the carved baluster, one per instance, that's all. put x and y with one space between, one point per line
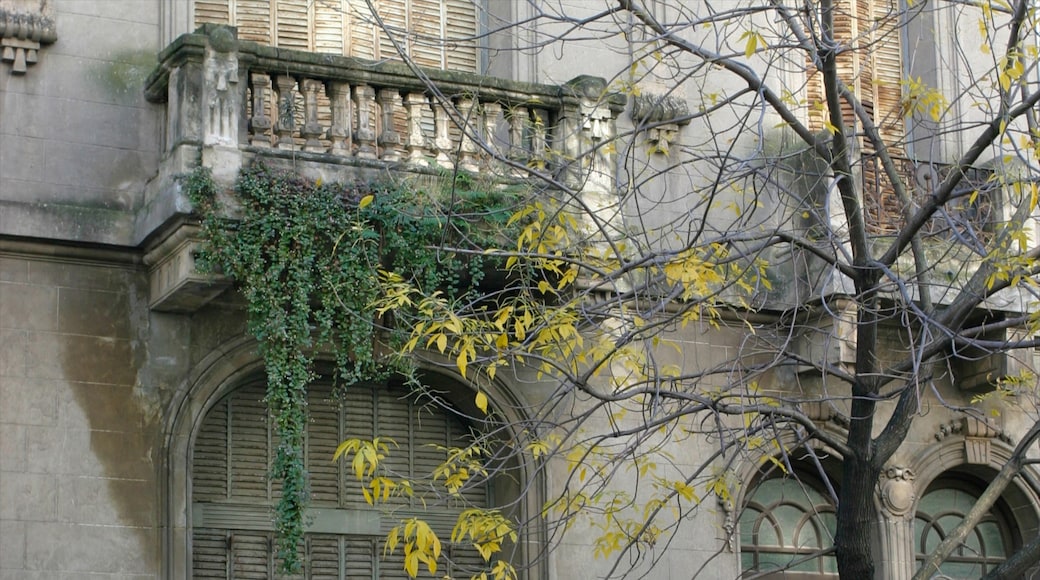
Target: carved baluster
260 123
415 104
340 132
311 130
468 148
285 123
389 138
492 113
538 142
442 137
366 131
519 134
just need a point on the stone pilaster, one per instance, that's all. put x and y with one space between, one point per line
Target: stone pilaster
898 495
223 99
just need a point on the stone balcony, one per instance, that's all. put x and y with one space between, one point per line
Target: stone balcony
230 102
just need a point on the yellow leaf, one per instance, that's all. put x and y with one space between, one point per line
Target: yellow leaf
461 362
752 44
481 401
365 201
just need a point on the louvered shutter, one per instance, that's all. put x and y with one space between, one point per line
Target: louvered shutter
874 73
253 19
232 497
293 24
460 29
330 29
434 33
215 11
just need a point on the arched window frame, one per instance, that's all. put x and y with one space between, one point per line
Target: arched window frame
236 362
808 483
931 528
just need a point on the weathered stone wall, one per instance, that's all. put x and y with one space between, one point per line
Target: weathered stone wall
77 139
77 438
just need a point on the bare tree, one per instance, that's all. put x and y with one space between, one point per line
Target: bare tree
781 174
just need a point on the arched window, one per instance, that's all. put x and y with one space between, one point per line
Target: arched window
434 33
784 523
231 493
941 508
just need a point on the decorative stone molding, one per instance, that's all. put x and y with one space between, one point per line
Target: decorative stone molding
661 116
950 428
25 26
978 438
729 521
898 494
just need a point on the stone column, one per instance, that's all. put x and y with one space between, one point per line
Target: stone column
340 132
389 138
311 130
467 147
366 131
442 136
898 495
260 123
587 129
415 104
284 113
492 114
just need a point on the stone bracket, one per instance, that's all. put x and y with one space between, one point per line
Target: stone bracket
25 26
175 283
661 116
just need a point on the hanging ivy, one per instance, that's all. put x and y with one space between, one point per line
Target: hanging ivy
306 257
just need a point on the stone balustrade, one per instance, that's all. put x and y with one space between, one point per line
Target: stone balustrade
230 102
229 97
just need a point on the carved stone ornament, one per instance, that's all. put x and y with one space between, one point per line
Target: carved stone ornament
729 521
978 435
662 116
25 25
897 490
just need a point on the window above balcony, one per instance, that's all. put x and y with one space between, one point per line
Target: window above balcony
434 33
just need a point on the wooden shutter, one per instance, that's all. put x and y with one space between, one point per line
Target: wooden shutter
427 46
293 24
435 33
330 26
215 11
873 71
232 497
460 28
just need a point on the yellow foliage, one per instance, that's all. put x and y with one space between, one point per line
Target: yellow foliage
485 529
421 545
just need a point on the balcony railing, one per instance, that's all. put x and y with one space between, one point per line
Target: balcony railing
971 215
225 94
229 102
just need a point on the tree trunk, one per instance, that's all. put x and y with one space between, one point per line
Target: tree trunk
856 519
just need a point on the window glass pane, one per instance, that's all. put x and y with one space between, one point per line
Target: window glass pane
943 508
992 539
786 520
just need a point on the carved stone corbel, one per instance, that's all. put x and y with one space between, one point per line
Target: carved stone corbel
25 26
978 437
661 116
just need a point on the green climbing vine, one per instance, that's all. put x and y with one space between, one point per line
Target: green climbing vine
312 260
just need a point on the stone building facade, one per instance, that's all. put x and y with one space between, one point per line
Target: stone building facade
132 443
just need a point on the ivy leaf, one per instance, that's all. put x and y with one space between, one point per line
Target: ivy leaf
481 401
